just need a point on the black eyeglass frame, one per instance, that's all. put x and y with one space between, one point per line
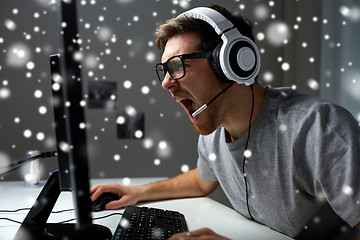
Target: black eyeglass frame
182 57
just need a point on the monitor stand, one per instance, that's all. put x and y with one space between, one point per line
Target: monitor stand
34 226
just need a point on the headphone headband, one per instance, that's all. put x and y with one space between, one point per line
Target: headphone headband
211 16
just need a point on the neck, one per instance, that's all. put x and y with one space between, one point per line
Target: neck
238 114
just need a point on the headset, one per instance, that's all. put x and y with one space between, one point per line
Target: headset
237 58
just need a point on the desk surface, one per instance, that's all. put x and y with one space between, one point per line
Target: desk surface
199 212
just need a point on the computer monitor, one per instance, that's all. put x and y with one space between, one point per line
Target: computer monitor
59 107
70 128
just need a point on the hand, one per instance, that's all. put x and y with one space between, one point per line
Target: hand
203 233
127 195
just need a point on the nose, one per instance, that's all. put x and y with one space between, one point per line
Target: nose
169 83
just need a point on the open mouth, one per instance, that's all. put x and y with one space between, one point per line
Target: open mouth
187 104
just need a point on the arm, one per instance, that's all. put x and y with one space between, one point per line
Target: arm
188 184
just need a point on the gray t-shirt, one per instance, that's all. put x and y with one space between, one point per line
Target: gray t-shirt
305 153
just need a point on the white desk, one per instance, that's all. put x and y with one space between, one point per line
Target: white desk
199 212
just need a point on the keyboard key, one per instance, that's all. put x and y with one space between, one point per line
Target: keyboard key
149 223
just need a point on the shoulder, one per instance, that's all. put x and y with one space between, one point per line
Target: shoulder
291 99
309 108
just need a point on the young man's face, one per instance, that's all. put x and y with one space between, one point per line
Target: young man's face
197 87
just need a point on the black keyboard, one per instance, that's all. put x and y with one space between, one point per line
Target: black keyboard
149 223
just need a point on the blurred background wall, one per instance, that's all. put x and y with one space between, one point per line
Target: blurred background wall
308 45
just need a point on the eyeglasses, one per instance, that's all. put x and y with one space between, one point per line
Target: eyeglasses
175 65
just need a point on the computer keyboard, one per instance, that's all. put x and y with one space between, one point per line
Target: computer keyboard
149 223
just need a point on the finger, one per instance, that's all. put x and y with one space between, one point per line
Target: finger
94 188
97 192
201 232
121 203
197 234
181 236
113 205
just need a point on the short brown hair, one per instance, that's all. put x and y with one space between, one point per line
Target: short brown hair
207 35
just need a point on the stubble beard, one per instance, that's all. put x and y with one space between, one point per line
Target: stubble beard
208 122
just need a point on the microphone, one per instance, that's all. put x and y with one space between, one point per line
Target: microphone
203 107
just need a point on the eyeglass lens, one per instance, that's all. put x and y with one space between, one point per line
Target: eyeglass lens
174 66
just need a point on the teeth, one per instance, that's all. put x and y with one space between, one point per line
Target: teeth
179 99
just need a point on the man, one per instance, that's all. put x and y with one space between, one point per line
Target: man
296 170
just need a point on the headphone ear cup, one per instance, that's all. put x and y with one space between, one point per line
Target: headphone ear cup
215 62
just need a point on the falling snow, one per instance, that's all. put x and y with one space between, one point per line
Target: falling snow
247 153
348 190
124 223
285 66
157 162
277 33
212 157
117 157
185 168
313 84
282 127
116 44
126 181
